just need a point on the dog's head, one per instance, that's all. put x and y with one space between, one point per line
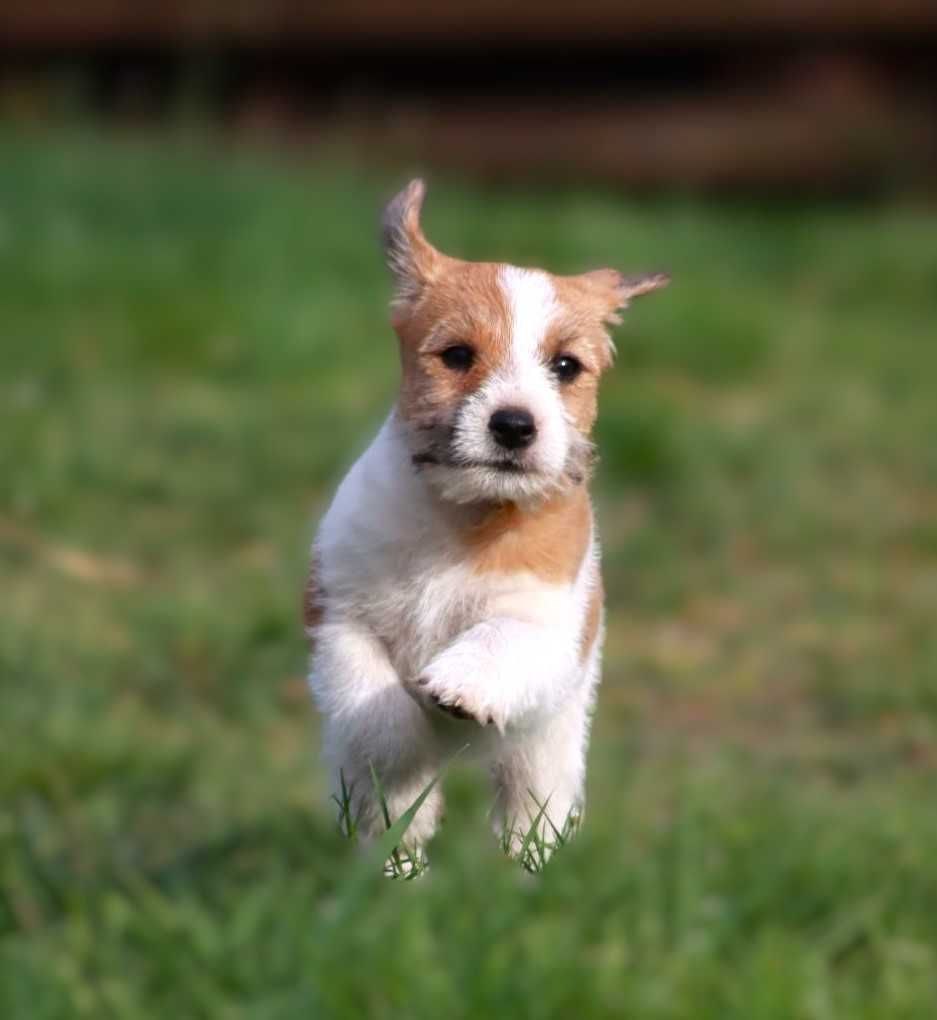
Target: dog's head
500 365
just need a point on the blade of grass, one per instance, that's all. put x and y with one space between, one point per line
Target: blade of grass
394 854
532 834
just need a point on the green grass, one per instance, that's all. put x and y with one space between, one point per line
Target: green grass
193 344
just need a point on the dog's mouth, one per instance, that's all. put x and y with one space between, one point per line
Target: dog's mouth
428 458
435 449
510 466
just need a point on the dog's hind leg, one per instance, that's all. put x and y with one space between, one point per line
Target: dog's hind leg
539 780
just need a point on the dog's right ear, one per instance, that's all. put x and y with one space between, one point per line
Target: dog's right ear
410 257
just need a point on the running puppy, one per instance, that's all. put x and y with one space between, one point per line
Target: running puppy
455 595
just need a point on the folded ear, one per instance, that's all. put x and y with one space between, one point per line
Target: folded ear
615 290
410 257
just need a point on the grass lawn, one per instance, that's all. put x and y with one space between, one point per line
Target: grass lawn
192 346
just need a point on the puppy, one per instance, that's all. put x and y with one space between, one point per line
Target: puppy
455 595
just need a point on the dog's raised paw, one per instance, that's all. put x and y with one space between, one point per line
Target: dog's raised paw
455 705
454 709
452 706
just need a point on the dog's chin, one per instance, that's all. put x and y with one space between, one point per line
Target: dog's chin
490 482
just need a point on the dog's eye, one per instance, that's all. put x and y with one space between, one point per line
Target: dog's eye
565 367
458 357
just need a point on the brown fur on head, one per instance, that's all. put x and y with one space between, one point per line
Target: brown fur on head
479 338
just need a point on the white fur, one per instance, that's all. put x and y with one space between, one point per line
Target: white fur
532 302
406 619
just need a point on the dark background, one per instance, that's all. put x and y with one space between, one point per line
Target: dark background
797 96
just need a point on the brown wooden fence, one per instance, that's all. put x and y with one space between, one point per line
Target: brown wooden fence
717 93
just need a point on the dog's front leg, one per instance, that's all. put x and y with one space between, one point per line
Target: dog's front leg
500 672
371 722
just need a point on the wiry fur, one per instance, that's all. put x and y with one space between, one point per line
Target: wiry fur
456 595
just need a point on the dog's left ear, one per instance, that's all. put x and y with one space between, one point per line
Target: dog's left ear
614 290
410 257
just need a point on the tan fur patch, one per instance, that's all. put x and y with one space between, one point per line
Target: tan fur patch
443 301
593 620
548 541
580 330
464 305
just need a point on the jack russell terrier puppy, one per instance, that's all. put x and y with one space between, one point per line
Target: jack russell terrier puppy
455 595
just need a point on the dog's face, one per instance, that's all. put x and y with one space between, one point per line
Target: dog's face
501 365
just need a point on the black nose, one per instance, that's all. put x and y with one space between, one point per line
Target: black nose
513 428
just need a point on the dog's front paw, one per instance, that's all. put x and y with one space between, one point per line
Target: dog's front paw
449 687
451 703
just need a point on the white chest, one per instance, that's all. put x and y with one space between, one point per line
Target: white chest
390 562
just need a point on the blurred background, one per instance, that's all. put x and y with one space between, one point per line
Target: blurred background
193 346
800 95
